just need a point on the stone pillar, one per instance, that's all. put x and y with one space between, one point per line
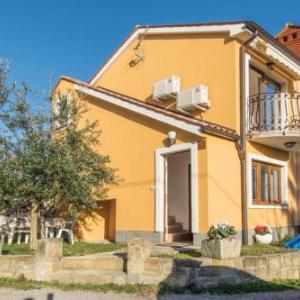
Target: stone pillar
47 258
49 249
138 250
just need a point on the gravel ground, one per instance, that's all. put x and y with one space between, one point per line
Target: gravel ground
50 294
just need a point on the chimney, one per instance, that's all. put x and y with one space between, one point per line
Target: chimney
290 37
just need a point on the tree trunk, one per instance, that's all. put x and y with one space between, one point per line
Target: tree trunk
34 226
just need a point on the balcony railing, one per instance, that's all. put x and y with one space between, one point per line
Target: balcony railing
274 112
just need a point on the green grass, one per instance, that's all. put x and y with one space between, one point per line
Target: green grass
143 289
258 249
81 248
22 284
247 250
182 255
78 249
17 249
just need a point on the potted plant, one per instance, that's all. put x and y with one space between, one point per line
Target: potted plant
222 242
263 234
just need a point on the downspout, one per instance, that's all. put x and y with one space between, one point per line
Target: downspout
241 145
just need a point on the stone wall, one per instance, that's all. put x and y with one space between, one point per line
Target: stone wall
140 267
206 272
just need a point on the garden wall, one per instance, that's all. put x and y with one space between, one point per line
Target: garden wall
139 267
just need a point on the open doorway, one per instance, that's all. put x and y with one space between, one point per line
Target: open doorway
178 225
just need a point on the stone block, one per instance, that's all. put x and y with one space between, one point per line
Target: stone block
209 271
286 260
229 279
139 248
178 279
205 282
295 259
135 266
153 264
49 249
102 263
134 278
250 262
221 249
119 279
274 263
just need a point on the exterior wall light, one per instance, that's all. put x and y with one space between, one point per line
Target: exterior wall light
289 145
172 137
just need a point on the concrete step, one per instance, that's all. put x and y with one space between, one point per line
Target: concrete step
171 220
101 263
181 236
176 227
89 276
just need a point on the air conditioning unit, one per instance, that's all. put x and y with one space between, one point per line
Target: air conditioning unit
166 88
194 98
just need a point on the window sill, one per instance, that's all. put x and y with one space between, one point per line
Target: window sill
279 206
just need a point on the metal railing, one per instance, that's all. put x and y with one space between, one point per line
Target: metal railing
274 112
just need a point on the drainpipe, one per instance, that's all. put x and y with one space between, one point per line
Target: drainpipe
241 145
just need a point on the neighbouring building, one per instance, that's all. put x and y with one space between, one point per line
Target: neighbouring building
200 120
290 37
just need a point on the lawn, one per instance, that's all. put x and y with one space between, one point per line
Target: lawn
247 250
143 289
78 249
258 249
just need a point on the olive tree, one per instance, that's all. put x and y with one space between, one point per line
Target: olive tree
49 159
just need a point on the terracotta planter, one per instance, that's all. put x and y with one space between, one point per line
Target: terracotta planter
264 239
221 249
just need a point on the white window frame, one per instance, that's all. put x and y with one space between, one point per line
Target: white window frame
160 184
283 175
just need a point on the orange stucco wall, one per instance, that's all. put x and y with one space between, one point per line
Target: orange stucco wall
210 59
130 139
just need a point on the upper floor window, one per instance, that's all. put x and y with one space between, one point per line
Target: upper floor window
260 83
294 35
285 38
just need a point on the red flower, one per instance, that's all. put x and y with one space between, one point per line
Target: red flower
262 229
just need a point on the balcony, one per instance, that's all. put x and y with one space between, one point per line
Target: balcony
274 120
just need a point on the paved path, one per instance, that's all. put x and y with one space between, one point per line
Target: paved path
50 294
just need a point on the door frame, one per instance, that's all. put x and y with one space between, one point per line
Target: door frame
160 184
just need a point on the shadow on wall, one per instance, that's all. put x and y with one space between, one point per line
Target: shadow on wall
193 276
99 224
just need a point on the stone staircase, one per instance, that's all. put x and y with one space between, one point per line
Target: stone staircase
175 231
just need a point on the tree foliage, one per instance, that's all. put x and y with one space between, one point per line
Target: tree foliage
47 158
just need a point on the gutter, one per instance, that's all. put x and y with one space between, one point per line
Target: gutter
241 144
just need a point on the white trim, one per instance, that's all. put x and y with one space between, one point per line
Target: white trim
192 128
247 60
284 180
233 29
159 183
276 55
238 31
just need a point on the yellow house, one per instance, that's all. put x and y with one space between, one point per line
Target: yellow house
202 122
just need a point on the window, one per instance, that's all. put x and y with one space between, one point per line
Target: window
266 183
285 38
294 35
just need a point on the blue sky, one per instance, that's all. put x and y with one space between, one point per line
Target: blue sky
64 37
